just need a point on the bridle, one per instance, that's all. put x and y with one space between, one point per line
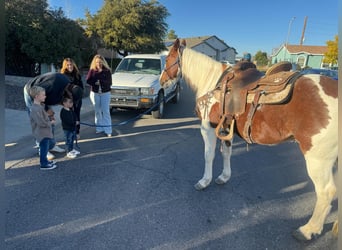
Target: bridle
177 62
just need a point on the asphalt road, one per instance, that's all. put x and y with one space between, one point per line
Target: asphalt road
135 190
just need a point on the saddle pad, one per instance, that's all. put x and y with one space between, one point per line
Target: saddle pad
273 98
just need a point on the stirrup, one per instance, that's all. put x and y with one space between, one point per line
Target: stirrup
222 134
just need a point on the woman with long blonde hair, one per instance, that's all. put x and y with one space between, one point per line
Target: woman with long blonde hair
99 78
70 70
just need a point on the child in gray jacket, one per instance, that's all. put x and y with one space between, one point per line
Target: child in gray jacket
41 127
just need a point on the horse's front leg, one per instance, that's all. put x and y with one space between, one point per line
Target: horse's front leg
209 138
226 151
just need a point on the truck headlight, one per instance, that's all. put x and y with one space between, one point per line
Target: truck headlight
146 91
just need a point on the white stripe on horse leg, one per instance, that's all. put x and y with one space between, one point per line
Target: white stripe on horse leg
226 171
209 138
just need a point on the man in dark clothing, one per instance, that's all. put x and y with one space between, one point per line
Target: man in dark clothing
56 86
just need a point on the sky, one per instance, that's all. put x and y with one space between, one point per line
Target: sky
247 25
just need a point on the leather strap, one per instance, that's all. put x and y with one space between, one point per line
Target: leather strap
251 112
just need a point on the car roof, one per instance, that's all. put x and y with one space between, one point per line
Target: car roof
151 56
318 70
327 72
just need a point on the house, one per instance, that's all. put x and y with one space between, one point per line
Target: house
211 46
305 56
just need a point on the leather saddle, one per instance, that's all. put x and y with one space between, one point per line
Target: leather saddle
245 84
246 81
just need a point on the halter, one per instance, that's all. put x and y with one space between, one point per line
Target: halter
177 62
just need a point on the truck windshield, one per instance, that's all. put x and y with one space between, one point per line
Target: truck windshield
140 66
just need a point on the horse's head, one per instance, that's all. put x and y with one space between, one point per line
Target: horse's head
172 69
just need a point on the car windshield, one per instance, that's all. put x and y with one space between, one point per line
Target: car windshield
140 66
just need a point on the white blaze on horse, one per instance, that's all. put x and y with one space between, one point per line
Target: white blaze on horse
236 100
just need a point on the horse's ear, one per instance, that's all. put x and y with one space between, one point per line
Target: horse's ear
176 44
183 43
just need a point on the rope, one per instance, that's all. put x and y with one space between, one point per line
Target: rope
124 122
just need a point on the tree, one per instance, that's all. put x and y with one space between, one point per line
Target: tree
331 56
172 35
261 58
129 25
22 22
36 34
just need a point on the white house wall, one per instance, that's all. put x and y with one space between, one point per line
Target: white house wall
206 49
216 50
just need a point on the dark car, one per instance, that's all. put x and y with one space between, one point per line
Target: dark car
326 72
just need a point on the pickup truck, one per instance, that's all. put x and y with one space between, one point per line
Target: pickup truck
135 85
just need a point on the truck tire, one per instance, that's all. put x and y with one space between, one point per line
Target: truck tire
176 98
159 111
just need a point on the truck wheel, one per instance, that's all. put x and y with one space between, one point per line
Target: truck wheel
176 98
159 112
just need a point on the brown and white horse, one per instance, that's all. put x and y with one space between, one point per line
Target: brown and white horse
309 118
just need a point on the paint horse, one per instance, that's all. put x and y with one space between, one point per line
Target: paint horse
309 116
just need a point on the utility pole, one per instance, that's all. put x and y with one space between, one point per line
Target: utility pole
302 38
288 35
289 30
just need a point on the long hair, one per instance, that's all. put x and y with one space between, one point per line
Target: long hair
200 71
104 62
64 69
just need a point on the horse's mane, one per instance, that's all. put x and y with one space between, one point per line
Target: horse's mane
200 71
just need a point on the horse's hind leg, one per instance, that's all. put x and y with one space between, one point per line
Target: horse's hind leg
320 171
209 138
226 171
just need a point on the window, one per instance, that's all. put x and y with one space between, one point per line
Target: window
301 61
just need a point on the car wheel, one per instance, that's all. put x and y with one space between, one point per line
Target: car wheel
159 112
113 110
176 98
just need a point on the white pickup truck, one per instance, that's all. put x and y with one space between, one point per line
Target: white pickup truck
135 84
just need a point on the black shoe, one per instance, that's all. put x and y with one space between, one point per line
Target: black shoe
49 166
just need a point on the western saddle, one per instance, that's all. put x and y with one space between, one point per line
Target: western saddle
245 84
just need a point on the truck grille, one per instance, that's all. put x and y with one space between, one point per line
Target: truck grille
124 92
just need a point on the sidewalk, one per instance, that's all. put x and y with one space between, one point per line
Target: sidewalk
17 124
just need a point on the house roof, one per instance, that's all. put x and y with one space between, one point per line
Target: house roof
310 49
194 41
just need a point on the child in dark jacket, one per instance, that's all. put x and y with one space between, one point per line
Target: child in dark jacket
68 119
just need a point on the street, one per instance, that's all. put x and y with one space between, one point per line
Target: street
135 190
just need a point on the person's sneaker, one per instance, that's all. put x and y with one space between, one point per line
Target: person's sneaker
52 162
74 151
49 166
71 155
50 156
109 135
57 149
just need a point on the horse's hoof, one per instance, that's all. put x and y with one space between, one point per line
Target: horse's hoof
219 181
335 229
198 186
298 235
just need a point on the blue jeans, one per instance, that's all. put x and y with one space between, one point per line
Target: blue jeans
70 137
44 146
103 120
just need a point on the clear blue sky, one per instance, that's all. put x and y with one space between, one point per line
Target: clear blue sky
248 26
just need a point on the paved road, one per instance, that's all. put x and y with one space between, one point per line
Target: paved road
135 191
